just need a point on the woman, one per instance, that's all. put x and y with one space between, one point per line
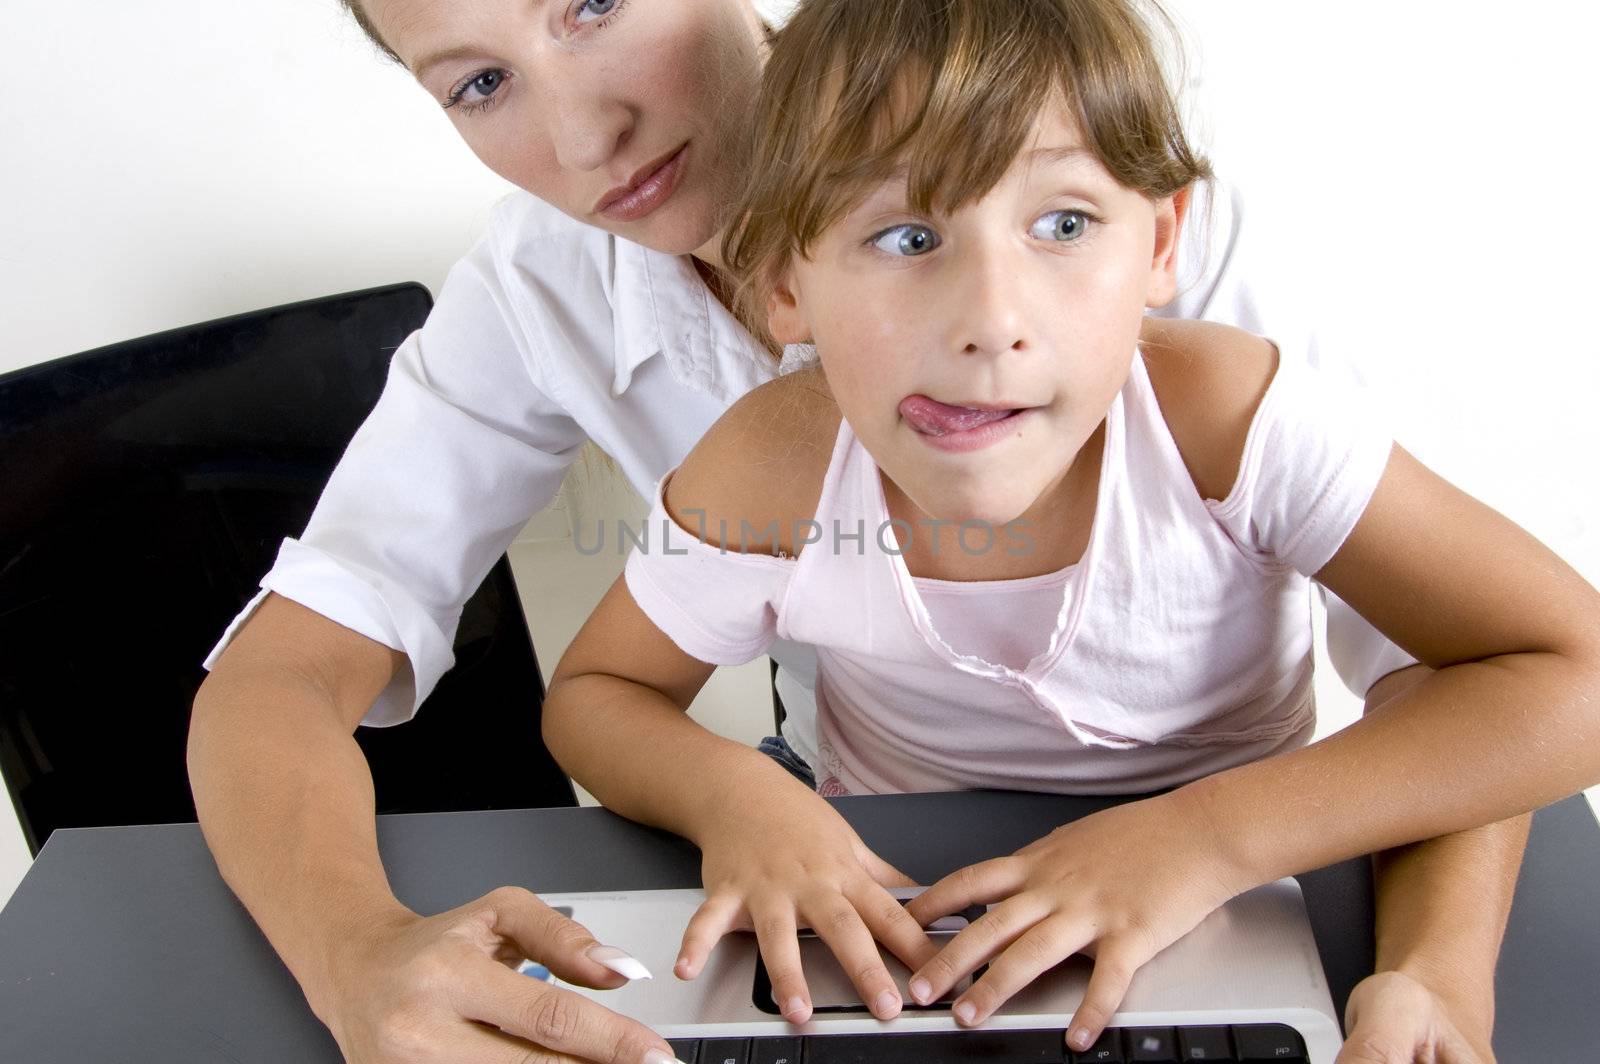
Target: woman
595 311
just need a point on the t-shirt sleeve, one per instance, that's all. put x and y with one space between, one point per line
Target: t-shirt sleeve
718 605
461 450
1312 459
1223 276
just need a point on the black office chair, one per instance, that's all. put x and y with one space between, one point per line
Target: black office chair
144 489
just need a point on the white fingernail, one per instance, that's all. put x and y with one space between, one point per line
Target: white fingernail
965 1012
619 961
655 1056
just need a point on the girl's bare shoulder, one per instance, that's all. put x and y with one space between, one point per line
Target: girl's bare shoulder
762 463
1209 380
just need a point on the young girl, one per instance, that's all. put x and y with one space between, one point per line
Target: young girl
1040 543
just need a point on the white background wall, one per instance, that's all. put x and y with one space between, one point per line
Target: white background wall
1423 168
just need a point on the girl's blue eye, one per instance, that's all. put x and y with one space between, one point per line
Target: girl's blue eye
906 240
474 93
595 9
1063 226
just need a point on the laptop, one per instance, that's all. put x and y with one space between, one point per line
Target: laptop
1246 985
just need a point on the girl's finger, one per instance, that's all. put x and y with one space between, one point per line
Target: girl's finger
979 884
780 949
1115 961
558 1020
838 924
882 872
892 925
979 941
719 915
1040 948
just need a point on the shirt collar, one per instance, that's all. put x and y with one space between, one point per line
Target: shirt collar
659 304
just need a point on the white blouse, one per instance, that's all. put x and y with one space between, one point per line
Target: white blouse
550 332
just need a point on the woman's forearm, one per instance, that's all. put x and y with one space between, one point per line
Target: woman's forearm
1442 910
286 804
283 791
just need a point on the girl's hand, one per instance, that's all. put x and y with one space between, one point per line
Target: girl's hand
1119 885
441 988
788 861
1396 1019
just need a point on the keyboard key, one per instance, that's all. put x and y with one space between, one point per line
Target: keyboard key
1262 1043
1155 1044
725 1051
774 1051
934 1047
1107 1049
1203 1043
685 1049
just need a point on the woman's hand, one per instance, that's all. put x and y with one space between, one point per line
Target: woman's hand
786 861
1119 885
1394 1018
442 988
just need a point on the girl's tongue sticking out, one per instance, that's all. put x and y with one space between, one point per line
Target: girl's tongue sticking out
933 418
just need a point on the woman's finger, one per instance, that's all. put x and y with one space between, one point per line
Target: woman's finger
779 941
1115 961
838 924
979 884
719 915
478 1043
1037 950
975 944
558 942
557 1020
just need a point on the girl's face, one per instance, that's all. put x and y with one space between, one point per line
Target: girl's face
625 114
974 353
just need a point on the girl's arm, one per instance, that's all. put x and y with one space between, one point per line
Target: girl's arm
1506 723
775 855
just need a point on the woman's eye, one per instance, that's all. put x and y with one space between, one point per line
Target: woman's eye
907 240
594 9
1063 226
476 90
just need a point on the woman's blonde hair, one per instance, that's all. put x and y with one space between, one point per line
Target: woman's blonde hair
949 90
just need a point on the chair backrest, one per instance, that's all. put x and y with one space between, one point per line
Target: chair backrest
144 489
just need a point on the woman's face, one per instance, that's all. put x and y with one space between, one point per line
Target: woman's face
626 114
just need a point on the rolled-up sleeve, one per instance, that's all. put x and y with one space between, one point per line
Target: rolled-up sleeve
463 447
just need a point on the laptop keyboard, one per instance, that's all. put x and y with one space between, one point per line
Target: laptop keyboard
1257 1043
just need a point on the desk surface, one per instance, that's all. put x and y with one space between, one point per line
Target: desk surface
124 944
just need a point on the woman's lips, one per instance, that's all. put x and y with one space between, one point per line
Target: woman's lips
648 194
959 428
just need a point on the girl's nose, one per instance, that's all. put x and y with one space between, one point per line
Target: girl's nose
991 317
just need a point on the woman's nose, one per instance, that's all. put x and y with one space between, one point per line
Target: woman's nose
589 129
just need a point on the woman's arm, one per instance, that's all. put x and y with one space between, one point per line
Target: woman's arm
1442 910
285 800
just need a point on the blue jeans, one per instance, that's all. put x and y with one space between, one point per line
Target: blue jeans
778 748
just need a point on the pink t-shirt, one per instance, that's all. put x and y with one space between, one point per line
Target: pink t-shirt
1178 646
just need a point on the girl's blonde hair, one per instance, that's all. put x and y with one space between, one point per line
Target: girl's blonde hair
948 90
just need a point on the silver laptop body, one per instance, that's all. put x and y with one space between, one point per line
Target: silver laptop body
1252 961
